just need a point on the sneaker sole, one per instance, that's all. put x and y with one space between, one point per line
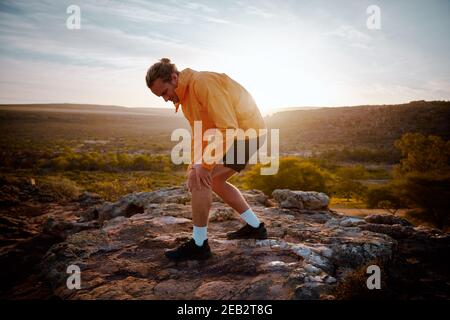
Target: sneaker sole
189 259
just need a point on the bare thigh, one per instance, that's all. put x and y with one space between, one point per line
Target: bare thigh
222 173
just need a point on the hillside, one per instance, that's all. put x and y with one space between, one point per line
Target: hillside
87 108
34 127
375 126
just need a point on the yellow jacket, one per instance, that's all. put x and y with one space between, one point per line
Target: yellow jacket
218 102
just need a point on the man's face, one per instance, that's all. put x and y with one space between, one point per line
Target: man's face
166 90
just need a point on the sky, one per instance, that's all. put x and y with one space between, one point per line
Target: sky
285 53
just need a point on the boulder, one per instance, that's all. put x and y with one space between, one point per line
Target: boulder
310 200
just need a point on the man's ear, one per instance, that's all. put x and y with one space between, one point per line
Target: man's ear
174 78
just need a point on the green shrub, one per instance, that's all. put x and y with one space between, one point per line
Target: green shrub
388 197
59 187
294 173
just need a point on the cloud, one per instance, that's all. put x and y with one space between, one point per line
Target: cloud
94 44
198 6
312 43
252 10
349 33
42 82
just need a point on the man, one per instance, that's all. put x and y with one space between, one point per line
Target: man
219 103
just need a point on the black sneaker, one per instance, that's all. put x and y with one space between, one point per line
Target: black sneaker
248 232
189 251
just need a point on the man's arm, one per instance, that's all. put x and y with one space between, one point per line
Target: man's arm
216 101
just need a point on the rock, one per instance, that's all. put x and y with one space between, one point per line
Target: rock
277 266
330 280
14 228
110 224
168 220
121 208
332 223
61 229
311 200
357 252
395 231
164 195
175 288
20 260
91 213
215 290
311 269
306 292
350 222
222 214
256 197
277 232
139 202
87 199
387 219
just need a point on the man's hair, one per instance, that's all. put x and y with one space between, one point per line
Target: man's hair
162 69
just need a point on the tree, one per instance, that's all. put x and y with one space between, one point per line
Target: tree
423 154
389 206
385 197
346 185
431 194
423 176
348 188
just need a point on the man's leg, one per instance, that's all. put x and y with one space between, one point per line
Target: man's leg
201 199
233 197
200 204
229 193
196 248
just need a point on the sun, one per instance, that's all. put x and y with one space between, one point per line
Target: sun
277 71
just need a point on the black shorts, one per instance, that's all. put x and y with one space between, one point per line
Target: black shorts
238 166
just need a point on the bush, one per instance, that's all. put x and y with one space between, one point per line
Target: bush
352 172
59 187
294 173
347 188
378 194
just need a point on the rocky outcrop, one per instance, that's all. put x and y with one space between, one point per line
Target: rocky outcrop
306 254
163 201
28 230
119 248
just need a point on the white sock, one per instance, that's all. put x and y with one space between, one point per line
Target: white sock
250 217
199 235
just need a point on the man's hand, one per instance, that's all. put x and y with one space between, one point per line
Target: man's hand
198 177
